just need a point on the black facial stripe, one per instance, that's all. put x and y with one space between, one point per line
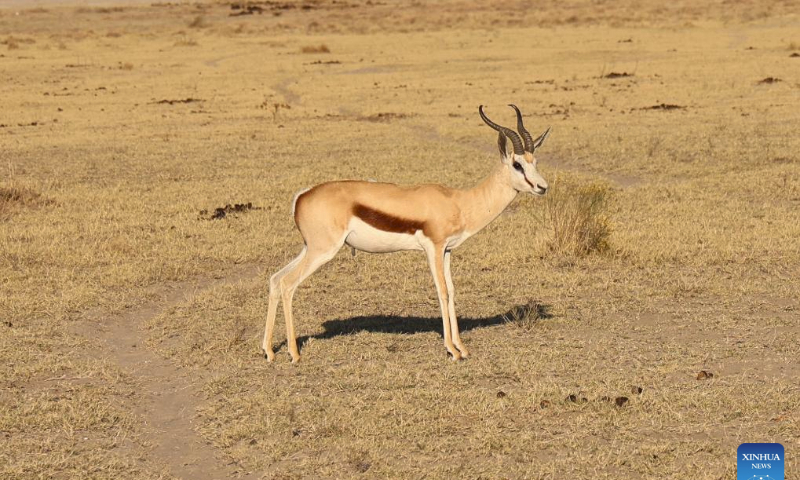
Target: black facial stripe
529 182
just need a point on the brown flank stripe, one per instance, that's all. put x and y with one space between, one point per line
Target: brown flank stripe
386 222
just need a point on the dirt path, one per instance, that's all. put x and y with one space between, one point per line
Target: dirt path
169 395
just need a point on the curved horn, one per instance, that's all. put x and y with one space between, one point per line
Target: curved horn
511 134
521 128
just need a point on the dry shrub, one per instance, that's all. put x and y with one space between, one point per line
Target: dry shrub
322 48
577 219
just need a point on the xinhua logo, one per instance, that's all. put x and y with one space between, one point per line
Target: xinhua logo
760 461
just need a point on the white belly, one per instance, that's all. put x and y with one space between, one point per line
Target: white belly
457 240
366 238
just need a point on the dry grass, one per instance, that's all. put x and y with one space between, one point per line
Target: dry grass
102 185
16 198
527 317
577 218
185 41
198 22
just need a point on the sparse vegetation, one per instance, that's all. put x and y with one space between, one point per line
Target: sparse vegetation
121 305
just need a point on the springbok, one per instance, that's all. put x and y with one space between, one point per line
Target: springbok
384 217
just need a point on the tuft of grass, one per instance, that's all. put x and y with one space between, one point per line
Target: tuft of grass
577 219
322 48
526 317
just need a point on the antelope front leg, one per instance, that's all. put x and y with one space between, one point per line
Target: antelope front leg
451 307
436 262
272 310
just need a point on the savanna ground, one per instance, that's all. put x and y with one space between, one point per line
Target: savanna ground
131 321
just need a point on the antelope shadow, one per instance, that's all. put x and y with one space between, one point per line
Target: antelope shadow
393 324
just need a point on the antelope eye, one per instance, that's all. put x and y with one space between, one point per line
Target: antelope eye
517 166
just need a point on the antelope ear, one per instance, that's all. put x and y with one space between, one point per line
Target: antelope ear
501 143
539 141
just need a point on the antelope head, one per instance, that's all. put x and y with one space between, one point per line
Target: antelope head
521 164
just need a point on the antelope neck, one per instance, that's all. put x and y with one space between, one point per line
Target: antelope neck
485 201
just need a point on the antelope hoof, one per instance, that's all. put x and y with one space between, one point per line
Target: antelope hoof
295 358
456 355
269 356
464 353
